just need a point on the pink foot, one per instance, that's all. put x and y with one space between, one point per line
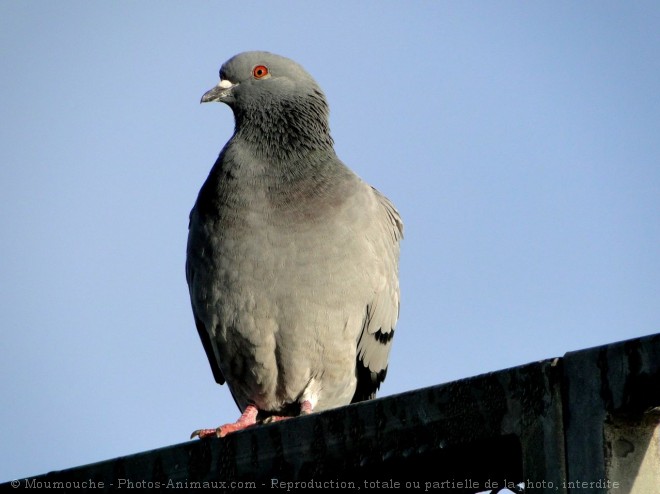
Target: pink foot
247 419
305 409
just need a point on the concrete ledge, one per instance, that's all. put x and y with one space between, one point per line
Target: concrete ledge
612 395
476 434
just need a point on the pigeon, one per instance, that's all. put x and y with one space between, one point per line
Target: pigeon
292 260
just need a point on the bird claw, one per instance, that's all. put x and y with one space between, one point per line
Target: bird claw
221 431
204 433
274 418
247 419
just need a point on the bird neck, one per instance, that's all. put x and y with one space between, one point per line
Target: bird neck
285 129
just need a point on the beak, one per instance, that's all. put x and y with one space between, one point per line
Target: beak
219 92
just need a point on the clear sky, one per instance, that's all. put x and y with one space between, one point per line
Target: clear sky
519 140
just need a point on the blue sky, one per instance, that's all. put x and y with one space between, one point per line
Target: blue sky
519 141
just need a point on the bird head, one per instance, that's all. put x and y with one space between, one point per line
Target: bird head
257 77
273 95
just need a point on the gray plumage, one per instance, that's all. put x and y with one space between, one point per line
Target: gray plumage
292 260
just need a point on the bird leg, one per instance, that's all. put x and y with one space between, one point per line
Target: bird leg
247 419
305 409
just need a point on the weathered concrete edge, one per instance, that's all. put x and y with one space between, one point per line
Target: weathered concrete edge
523 401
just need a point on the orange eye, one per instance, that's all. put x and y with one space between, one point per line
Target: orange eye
260 71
